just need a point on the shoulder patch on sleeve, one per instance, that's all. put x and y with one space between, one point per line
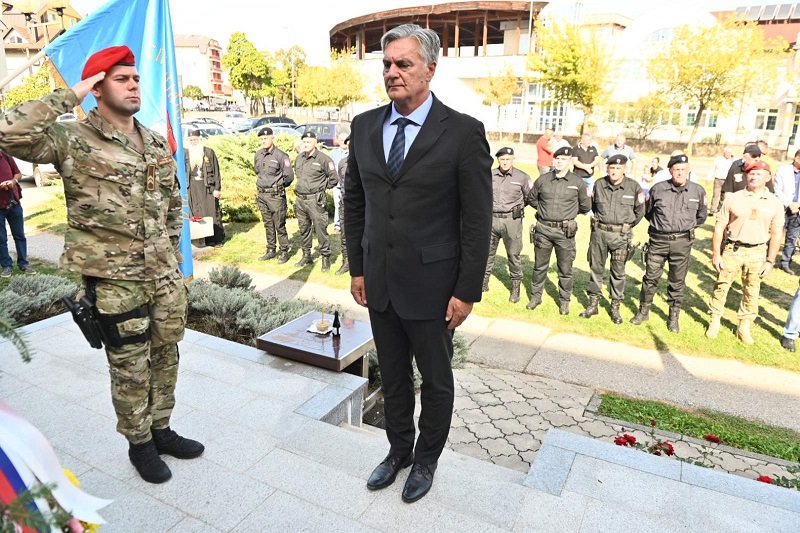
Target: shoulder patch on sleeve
640 198
331 167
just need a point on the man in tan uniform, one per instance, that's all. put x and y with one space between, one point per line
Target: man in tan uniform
747 221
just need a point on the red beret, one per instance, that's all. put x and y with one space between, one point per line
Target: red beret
758 165
105 59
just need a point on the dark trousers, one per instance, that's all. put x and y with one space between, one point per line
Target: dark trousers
312 213
219 231
16 221
601 245
716 200
341 227
661 249
545 240
510 231
792 233
430 343
273 214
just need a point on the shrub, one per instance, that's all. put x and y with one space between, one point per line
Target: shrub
230 277
36 297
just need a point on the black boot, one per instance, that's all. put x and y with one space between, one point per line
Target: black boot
534 303
616 318
592 308
674 315
267 256
150 466
563 307
344 268
283 258
326 264
305 260
170 443
514 298
643 315
485 287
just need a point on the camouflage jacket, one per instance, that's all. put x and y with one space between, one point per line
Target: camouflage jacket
123 206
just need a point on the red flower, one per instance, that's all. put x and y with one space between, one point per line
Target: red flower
712 438
620 441
667 448
765 479
652 422
630 438
625 440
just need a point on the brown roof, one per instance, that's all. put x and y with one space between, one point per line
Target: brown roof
195 41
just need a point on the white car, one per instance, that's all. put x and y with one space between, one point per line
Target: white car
232 119
39 173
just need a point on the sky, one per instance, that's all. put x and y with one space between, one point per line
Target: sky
279 24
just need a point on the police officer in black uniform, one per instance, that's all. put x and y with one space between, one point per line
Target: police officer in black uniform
675 208
558 197
315 174
274 170
342 171
618 205
510 186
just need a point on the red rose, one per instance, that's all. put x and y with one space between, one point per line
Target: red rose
630 438
652 422
620 441
712 438
667 448
765 479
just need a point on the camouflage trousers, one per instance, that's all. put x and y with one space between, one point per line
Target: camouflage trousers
143 375
746 262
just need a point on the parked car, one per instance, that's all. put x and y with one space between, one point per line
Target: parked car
233 119
327 132
277 130
203 120
257 123
39 174
206 130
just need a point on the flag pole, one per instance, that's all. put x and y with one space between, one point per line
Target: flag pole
8 79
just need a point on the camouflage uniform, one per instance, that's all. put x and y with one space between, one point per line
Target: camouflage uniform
124 217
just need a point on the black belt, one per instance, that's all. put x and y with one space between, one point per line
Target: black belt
560 224
616 228
498 214
270 189
670 235
306 196
738 244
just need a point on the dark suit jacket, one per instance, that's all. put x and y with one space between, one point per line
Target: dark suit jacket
424 237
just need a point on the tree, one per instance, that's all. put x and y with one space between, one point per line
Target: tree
32 88
571 65
646 114
710 67
286 65
248 69
335 86
498 91
193 91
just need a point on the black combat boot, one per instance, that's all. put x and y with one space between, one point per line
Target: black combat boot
170 443
305 260
344 268
514 297
283 258
150 466
674 315
485 284
267 256
643 315
616 318
326 264
534 303
592 308
563 307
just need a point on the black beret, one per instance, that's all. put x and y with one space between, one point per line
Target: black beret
506 150
564 150
308 135
753 150
617 159
676 159
193 133
265 131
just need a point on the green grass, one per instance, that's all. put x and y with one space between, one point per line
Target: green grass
50 216
734 431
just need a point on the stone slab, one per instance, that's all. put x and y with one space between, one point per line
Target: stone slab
550 469
546 513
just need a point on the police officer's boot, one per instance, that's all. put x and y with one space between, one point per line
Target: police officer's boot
616 318
743 332
283 258
563 307
267 256
592 308
326 264
305 260
643 315
170 443
674 315
344 268
534 303
144 457
485 284
713 327
514 297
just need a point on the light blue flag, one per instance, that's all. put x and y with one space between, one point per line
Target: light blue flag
145 27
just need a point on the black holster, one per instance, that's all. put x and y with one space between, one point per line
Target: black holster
533 233
631 251
645 250
84 314
517 212
570 228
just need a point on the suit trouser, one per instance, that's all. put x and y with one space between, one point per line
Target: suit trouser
430 343
792 233
510 231
602 244
661 249
341 227
143 375
545 240
790 330
311 212
747 262
716 200
273 213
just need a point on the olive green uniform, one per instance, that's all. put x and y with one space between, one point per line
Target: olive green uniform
315 173
124 227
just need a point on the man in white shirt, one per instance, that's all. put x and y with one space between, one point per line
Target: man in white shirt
719 171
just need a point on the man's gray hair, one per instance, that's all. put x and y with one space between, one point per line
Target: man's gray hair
429 43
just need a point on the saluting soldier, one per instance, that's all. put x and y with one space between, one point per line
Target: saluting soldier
748 220
510 186
274 171
558 197
315 174
675 209
618 205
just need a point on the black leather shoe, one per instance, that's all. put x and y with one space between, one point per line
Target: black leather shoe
386 472
787 343
145 458
170 443
419 482
787 269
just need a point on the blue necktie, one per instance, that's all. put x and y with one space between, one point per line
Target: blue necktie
398 149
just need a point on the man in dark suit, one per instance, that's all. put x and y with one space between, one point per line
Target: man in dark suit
419 215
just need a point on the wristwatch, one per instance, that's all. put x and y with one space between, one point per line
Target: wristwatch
771 261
